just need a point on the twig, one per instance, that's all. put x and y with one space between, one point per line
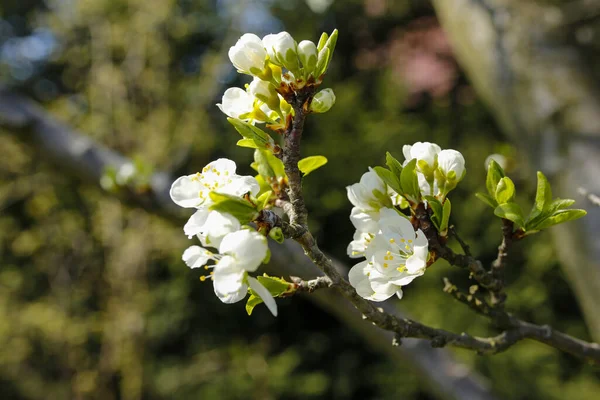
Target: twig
498 295
310 286
404 327
463 245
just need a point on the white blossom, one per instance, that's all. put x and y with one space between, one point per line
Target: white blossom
307 52
452 164
240 252
236 103
248 55
362 194
210 226
422 151
219 176
282 50
396 255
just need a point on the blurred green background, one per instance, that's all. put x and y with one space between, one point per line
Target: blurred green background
95 301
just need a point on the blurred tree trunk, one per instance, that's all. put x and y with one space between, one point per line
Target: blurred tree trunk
535 64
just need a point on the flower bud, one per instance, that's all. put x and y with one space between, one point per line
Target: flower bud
452 165
265 92
322 101
282 50
236 102
423 152
307 52
248 55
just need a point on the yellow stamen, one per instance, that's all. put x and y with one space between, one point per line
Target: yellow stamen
385 265
392 241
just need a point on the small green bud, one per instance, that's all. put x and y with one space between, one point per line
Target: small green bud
323 101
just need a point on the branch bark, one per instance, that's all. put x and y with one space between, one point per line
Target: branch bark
81 157
515 329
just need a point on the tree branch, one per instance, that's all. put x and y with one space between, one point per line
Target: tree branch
82 157
516 330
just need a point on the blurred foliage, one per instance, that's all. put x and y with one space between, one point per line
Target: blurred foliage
94 299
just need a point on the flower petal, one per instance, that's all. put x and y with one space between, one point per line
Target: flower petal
185 191
196 256
229 281
196 222
264 294
249 248
359 279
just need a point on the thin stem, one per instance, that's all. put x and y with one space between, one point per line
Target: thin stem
499 264
515 330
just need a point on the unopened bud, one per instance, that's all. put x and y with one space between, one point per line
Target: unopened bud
323 101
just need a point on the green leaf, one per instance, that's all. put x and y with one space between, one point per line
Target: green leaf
275 286
267 164
505 190
322 60
252 302
245 142
487 199
446 217
261 139
560 217
438 211
543 197
309 164
394 165
322 41
263 200
511 212
409 181
239 208
389 178
494 174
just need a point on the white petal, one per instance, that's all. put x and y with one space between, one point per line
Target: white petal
406 152
217 226
241 185
196 256
396 226
264 294
228 281
359 279
365 221
236 102
185 191
196 222
249 248
418 261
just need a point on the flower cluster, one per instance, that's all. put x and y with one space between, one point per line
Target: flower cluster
280 66
395 253
438 171
240 248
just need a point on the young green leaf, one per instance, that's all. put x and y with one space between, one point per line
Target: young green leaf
239 208
494 174
245 142
261 139
394 165
252 302
487 199
511 212
505 190
309 164
543 197
389 178
275 286
559 217
446 216
438 211
263 200
267 164
409 180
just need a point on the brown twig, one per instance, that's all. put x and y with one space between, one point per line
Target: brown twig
498 295
297 229
310 286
